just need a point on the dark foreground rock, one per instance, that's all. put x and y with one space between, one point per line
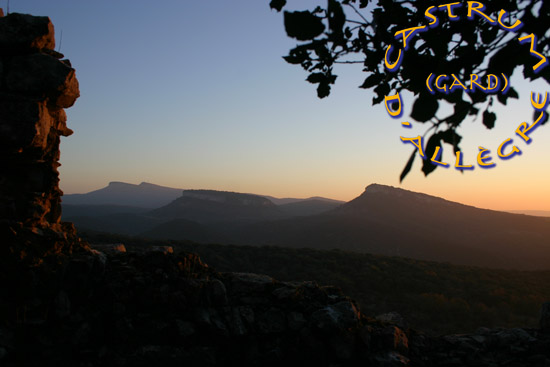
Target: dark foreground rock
160 308
157 307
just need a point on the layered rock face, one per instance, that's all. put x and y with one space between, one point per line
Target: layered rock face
35 87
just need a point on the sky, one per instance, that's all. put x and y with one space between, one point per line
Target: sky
196 95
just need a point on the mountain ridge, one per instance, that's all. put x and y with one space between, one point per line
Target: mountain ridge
99 197
382 220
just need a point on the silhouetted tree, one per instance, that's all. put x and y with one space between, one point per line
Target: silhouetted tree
477 41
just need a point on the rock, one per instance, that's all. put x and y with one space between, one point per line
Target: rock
283 293
296 320
392 359
216 293
545 317
247 314
236 323
21 32
342 315
249 283
396 338
41 75
272 321
185 328
393 318
342 345
62 305
35 88
111 247
163 249
7 338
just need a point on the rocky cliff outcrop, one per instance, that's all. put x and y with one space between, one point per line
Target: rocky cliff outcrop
36 84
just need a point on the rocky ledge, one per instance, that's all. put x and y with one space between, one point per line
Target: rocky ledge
157 307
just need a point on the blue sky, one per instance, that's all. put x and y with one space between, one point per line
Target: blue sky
195 94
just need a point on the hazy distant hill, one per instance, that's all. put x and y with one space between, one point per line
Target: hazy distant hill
147 195
144 195
209 206
382 220
282 201
537 213
308 207
88 210
126 208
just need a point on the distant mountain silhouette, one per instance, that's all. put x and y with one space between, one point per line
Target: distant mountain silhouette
127 209
209 206
147 195
88 210
309 207
144 195
283 201
382 220
392 221
536 213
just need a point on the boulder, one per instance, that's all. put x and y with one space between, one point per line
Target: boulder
545 317
43 76
22 32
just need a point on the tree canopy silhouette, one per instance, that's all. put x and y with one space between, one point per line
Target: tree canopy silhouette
460 38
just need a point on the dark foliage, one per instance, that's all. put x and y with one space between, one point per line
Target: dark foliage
356 32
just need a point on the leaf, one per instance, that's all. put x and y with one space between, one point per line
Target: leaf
511 93
295 58
489 34
323 90
316 78
434 142
336 19
381 91
371 81
303 25
489 119
277 4
424 107
408 166
461 109
451 137
348 33
543 120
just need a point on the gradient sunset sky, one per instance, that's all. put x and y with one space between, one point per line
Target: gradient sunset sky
195 94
